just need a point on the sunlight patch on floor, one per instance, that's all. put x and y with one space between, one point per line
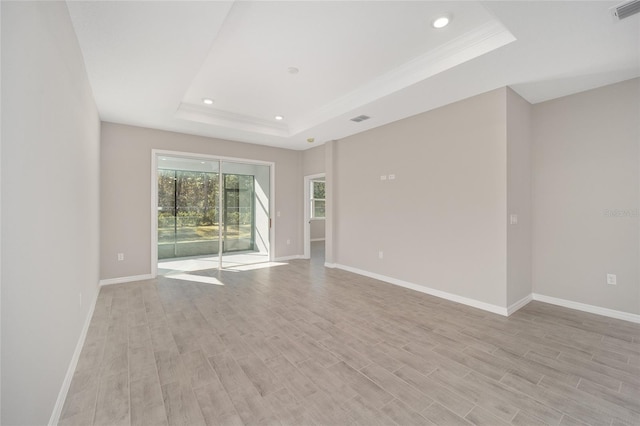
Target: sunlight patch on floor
255 266
229 261
195 278
189 265
186 269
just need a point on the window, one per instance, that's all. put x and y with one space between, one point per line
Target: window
317 199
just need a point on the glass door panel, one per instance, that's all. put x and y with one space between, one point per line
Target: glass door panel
212 207
196 216
246 190
188 211
238 212
166 214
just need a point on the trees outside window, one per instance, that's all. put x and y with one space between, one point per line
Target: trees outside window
317 199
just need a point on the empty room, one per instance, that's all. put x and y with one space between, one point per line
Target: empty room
320 213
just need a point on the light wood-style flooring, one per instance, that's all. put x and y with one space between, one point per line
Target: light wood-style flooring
303 345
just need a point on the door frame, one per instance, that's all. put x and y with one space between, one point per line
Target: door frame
155 153
307 212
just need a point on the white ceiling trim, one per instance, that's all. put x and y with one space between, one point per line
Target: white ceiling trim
472 44
475 43
218 117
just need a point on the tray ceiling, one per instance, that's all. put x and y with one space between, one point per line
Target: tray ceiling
318 64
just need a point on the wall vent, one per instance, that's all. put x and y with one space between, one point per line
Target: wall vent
366 117
626 9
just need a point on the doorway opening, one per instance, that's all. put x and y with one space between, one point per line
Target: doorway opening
210 213
315 215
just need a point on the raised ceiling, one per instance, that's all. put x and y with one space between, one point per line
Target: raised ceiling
152 63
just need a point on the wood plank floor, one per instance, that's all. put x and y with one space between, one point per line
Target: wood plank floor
304 345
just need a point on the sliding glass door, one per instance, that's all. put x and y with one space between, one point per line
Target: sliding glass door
187 213
239 216
210 207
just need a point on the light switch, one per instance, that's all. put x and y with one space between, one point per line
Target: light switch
383 177
513 219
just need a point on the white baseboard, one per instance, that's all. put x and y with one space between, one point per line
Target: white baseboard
330 265
317 239
519 304
611 313
427 290
285 258
66 384
121 280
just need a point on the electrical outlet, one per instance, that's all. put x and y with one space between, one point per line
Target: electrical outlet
392 177
120 257
611 279
380 254
383 177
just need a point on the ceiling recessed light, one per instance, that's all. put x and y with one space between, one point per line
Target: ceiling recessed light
207 101
441 21
279 117
311 140
293 70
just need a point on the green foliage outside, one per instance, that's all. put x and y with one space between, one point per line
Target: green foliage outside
318 202
196 217
318 189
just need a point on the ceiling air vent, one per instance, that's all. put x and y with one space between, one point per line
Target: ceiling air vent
366 117
626 9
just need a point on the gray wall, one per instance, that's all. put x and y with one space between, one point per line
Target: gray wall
126 192
585 164
518 197
50 205
313 161
330 193
445 208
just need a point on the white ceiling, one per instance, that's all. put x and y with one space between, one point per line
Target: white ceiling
151 63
